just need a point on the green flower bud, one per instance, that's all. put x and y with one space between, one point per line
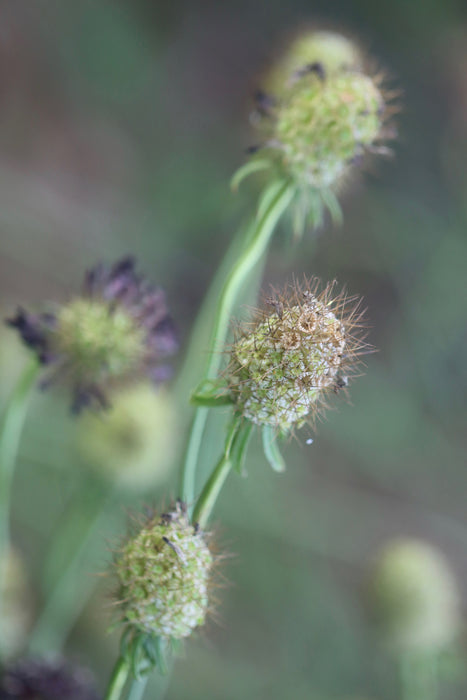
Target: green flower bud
163 573
414 597
283 368
117 330
322 126
333 52
134 442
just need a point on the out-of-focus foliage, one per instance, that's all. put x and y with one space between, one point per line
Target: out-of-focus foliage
121 123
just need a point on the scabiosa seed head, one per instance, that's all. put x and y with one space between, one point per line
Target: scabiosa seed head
309 50
318 123
134 442
414 597
323 125
163 576
118 329
285 364
35 679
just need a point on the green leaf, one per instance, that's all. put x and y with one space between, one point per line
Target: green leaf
211 393
332 204
315 212
271 451
253 166
125 642
150 649
138 659
161 658
239 447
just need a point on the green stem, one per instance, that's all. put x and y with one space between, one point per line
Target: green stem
118 679
137 688
251 255
67 591
10 434
214 484
418 674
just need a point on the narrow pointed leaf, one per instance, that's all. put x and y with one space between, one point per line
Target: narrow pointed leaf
332 204
239 447
160 653
253 166
271 450
211 393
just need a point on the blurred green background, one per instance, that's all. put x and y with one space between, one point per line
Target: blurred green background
120 125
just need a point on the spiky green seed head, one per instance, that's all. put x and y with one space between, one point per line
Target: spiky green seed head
414 597
134 442
322 126
163 574
334 52
293 355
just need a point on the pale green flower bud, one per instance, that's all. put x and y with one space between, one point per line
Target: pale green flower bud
284 366
116 331
333 52
414 597
163 574
134 441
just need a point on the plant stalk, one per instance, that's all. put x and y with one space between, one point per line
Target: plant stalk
118 679
214 484
10 434
251 255
67 593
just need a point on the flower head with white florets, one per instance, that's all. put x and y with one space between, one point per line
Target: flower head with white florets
164 573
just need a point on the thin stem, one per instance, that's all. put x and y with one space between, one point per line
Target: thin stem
67 592
10 434
214 484
255 248
419 678
118 679
137 688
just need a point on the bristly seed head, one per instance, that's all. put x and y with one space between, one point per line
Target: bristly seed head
118 329
322 125
294 354
319 114
163 574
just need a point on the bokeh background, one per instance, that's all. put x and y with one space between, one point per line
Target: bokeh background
121 123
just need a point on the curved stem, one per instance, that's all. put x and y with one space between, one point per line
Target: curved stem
418 676
67 593
214 484
251 255
118 679
137 688
10 434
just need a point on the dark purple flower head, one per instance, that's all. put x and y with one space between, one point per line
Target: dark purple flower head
117 330
33 679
